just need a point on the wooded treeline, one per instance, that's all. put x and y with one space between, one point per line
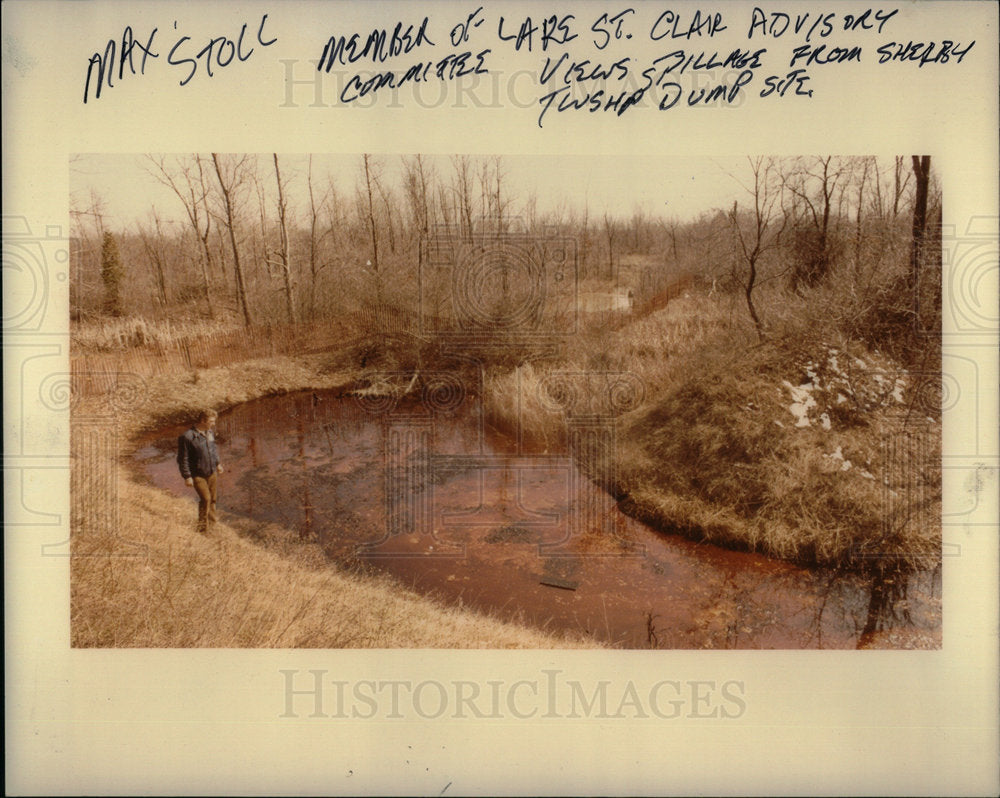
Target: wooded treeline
263 240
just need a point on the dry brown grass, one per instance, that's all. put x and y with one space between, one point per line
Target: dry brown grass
154 581
713 451
158 583
720 457
653 348
113 334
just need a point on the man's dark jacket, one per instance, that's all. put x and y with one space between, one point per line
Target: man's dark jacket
197 455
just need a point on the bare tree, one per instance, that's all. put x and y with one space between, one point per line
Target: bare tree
315 238
762 235
371 211
231 179
191 188
921 174
446 205
638 225
485 196
585 242
417 179
500 203
155 256
814 185
89 229
610 232
260 239
284 253
462 187
385 195
901 179
866 164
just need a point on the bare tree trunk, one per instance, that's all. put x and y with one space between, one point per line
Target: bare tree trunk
265 250
764 196
857 226
499 202
157 258
609 232
464 192
206 265
387 203
921 172
194 199
751 254
286 271
900 186
827 187
230 223
585 243
751 281
878 202
371 214
312 242
425 207
485 197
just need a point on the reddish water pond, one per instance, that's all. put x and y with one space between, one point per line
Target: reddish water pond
429 494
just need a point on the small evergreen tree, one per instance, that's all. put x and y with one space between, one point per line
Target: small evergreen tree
112 275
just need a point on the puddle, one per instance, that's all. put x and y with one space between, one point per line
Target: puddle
427 493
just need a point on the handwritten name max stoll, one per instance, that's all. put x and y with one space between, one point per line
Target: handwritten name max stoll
219 51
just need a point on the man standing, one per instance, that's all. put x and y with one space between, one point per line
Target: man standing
198 459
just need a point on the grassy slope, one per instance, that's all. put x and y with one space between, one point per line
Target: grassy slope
159 583
714 451
721 457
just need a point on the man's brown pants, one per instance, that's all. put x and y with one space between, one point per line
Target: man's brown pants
206 488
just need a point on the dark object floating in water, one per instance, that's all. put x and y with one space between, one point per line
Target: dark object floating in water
555 581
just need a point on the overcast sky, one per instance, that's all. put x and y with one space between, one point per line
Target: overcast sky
677 187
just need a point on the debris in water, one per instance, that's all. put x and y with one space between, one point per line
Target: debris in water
555 581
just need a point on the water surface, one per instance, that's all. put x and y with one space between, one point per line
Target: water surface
428 493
